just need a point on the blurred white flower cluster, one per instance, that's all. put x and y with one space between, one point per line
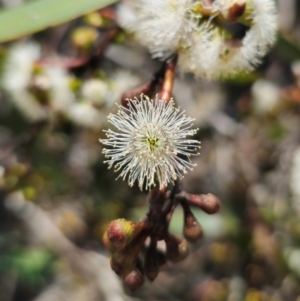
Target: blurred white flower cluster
203 32
42 91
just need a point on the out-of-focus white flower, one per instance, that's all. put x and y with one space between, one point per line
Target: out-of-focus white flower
203 47
266 96
264 23
95 91
126 15
171 27
60 92
29 105
151 143
86 115
17 78
121 81
214 56
18 68
160 25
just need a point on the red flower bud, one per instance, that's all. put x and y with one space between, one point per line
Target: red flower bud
192 230
134 279
118 234
209 203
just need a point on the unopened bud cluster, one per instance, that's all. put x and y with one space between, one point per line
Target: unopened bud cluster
203 32
126 239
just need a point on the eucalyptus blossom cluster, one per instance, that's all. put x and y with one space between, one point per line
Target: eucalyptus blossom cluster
203 32
43 91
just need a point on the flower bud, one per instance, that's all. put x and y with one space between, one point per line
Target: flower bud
209 203
84 37
192 230
94 19
134 279
118 234
177 248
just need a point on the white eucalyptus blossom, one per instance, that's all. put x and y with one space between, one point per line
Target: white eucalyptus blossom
16 78
162 26
19 65
214 55
266 96
204 47
264 21
61 94
151 143
120 82
86 115
95 91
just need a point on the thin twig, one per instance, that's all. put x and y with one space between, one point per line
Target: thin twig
168 81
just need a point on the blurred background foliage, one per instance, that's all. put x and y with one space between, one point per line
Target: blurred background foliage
57 196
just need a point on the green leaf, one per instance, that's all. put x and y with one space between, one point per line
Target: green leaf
38 15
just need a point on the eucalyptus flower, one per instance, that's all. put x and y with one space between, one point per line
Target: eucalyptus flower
202 33
151 143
